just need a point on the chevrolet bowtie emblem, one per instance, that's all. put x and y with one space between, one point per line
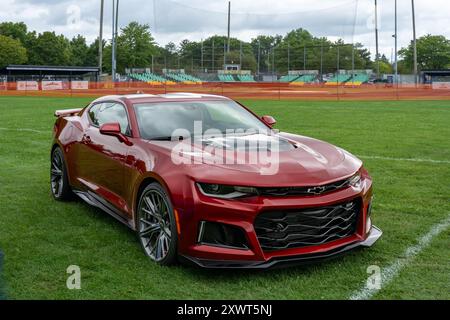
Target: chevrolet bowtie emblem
316 190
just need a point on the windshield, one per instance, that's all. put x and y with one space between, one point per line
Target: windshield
157 120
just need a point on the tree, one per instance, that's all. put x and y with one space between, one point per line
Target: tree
385 65
78 51
433 52
11 51
265 44
15 30
135 46
49 49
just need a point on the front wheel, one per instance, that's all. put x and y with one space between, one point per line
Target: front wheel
156 225
59 180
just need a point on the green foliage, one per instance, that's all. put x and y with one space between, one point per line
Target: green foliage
79 51
135 46
11 51
47 48
15 30
433 53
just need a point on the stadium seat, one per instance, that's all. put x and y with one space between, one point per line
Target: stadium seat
183 78
304 79
289 78
338 79
358 80
245 78
226 78
150 78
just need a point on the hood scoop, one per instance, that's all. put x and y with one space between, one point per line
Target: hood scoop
249 143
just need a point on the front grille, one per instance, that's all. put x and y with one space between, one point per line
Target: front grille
306 191
298 228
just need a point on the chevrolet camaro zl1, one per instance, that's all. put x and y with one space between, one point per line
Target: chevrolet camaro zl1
203 179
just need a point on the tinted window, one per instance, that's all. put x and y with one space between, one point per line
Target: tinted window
108 113
162 119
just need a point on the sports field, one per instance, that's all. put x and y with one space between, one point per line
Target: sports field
405 145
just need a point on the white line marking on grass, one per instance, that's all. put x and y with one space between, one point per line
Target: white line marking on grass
390 272
23 130
405 159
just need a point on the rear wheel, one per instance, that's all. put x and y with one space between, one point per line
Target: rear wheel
59 180
156 225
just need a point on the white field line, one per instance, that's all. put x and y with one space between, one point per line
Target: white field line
390 272
23 130
405 159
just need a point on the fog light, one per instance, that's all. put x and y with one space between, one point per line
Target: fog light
221 235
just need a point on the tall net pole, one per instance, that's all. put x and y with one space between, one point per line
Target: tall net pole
229 21
113 43
100 39
414 42
396 44
377 57
259 56
212 54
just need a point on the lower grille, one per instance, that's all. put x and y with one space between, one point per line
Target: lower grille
278 230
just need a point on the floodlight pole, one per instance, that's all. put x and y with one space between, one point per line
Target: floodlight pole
229 20
377 57
396 44
321 61
273 62
213 58
288 57
115 19
414 42
100 39
201 55
259 55
240 53
224 54
113 46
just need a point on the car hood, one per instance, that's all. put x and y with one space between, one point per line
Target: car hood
294 161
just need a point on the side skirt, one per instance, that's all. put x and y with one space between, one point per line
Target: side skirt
96 201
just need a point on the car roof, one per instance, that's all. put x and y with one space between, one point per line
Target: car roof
168 97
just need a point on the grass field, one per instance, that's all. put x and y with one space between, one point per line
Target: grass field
41 238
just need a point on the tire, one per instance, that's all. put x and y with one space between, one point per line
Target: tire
59 181
156 225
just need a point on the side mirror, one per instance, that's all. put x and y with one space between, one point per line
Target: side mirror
269 120
113 129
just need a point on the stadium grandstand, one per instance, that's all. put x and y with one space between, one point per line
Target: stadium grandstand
40 73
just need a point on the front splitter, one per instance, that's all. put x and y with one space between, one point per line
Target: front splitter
374 235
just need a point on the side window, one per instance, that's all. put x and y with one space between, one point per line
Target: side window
110 112
93 114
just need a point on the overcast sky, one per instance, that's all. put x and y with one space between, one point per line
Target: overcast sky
175 20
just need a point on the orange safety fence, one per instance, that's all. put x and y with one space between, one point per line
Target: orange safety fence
257 90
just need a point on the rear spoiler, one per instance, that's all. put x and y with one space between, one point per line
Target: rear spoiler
67 112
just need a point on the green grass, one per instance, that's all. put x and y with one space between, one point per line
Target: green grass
41 237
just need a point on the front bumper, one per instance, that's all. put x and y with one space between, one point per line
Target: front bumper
373 236
242 214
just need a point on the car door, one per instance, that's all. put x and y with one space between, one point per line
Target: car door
103 158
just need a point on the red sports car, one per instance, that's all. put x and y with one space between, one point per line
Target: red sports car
203 179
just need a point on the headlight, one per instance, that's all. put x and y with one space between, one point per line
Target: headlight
225 191
355 180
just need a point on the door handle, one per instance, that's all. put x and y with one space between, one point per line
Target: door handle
86 139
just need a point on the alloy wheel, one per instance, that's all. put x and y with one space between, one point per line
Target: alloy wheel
56 174
154 225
